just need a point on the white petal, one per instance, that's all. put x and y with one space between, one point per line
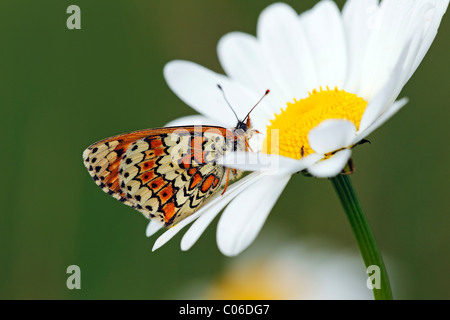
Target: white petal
388 93
245 216
267 163
325 31
432 19
243 60
153 227
358 16
256 143
197 86
194 120
199 226
331 135
170 233
241 57
287 52
396 23
217 201
331 167
381 120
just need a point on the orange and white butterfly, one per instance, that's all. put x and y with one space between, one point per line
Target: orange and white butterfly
167 173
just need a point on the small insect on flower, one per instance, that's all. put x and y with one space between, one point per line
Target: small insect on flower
168 173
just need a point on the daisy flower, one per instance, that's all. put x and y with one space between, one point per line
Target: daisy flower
334 78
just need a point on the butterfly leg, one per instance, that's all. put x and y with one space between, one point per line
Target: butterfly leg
226 182
247 146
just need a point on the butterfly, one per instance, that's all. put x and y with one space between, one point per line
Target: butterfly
168 173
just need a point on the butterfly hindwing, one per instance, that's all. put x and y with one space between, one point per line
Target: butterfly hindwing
166 174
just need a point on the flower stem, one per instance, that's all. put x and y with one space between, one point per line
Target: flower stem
366 241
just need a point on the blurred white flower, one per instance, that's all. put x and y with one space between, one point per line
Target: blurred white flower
295 271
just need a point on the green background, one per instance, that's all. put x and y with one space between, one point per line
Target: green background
61 90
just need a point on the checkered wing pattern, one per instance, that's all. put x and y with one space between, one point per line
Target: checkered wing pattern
167 174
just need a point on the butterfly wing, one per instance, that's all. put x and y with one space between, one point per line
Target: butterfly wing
166 174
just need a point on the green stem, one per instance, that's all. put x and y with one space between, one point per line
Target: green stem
366 241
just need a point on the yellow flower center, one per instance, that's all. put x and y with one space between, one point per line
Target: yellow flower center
287 135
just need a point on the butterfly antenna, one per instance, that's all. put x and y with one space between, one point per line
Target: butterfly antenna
226 100
248 114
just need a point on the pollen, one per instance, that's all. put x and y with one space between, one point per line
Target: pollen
287 135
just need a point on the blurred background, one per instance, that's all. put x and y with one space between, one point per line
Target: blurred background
61 90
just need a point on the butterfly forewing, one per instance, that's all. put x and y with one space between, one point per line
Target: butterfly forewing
166 174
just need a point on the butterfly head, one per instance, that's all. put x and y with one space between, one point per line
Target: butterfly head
241 125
